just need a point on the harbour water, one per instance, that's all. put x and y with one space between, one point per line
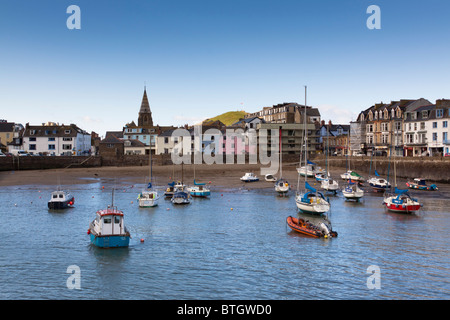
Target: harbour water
235 245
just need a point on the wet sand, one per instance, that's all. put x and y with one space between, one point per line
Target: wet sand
217 175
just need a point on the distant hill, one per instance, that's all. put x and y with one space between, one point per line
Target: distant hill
228 118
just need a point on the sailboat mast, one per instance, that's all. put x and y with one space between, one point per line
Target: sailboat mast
281 161
306 142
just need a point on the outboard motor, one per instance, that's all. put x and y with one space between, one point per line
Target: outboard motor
323 227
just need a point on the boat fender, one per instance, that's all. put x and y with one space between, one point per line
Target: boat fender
89 231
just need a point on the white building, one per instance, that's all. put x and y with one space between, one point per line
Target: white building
54 139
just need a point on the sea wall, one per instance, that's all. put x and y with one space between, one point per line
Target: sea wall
430 168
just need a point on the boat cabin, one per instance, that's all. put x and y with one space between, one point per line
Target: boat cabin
109 222
59 196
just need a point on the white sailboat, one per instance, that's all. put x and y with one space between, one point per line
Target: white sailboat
148 198
281 185
310 201
327 183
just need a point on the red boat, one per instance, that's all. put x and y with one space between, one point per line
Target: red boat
309 229
401 202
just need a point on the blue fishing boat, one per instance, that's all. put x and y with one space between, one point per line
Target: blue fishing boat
108 230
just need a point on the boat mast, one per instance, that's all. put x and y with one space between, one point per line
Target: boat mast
281 161
306 142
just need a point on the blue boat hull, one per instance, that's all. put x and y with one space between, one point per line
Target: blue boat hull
110 241
200 193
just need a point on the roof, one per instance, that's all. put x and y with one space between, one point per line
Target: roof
7 126
112 137
52 130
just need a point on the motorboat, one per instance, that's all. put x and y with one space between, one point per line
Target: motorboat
379 184
249 177
61 200
108 230
305 227
310 170
420 184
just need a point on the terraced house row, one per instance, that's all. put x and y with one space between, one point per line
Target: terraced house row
403 128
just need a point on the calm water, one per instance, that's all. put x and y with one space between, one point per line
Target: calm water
207 251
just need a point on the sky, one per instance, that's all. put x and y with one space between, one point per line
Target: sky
201 58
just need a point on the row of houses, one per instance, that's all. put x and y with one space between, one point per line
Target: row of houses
403 128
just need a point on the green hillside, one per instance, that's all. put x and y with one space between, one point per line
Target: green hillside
228 118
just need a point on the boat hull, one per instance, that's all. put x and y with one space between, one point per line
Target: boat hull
299 225
115 241
402 208
147 203
420 187
200 194
56 205
312 208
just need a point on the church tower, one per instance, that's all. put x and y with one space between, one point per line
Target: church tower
145 115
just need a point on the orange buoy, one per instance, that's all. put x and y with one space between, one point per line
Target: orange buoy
142 240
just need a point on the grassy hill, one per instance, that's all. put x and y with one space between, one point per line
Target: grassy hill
228 118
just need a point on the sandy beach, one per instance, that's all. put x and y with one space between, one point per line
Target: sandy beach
217 175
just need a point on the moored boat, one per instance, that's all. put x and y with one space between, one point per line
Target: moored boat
352 175
108 230
312 201
148 198
329 185
401 202
379 184
420 184
309 229
199 190
282 187
270 178
61 200
352 192
180 197
249 177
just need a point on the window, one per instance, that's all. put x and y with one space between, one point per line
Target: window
370 128
107 220
434 124
410 138
67 131
166 139
422 126
116 219
444 136
67 139
51 139
32 139
444 124
434 136
413 115
439 113
51 147
32 132
415 126
67 147
32 147
424 114
398 126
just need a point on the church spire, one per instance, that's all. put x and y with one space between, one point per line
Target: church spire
145 115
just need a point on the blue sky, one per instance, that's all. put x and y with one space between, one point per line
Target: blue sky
202 58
